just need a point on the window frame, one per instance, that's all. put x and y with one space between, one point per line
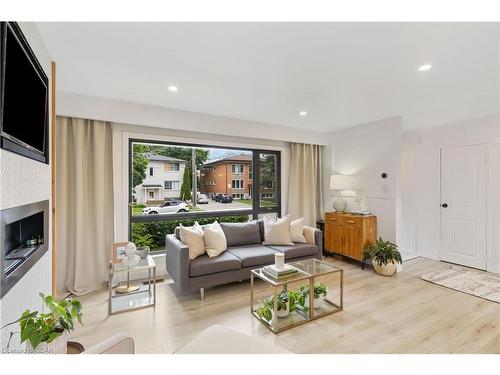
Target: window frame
240 181
171 185
174 170
241 169
254 211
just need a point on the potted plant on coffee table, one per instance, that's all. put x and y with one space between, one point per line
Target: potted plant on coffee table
385 256
47 332
320 292
265 311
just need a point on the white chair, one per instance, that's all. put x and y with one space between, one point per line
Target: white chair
121 343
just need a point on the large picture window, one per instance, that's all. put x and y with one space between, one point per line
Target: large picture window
200 183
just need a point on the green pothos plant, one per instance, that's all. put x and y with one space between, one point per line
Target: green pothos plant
265 311
37 327
296 299
383 252
319 289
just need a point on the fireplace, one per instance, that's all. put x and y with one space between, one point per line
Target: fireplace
24 239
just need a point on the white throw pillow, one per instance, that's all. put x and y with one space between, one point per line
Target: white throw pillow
277 232
192 237
215 239
297 230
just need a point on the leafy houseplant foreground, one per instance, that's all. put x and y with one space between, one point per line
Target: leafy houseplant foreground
36 327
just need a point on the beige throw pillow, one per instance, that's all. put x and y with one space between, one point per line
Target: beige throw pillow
215 239
192 237
297 230
277 232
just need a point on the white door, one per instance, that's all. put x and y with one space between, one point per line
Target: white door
463 205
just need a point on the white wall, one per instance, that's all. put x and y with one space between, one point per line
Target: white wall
75 105
25 181
421 183
367 151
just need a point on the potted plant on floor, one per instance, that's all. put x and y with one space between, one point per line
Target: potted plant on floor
48 332
320 292
385 256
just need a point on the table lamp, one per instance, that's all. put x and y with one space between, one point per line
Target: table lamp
339 183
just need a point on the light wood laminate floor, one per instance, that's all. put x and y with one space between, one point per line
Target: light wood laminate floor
403 314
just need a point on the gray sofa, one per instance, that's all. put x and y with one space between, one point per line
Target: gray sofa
245 252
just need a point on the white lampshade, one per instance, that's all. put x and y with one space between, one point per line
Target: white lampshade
342 182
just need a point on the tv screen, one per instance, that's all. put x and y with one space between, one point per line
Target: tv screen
25 94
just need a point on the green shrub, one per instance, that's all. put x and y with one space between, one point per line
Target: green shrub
154 232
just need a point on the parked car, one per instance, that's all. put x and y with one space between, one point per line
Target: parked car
224 198
168 207
202 199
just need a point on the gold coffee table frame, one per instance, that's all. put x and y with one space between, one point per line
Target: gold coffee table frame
309 271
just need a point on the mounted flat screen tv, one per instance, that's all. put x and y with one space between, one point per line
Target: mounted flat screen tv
24 96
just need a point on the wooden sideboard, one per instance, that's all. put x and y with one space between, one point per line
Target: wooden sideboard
349 235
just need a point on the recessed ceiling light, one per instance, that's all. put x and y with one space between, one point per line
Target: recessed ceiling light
173 88
303 113
424 68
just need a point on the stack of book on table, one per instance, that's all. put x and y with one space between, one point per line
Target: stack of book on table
279 273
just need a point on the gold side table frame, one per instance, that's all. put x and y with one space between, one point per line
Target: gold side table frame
308 271
144 296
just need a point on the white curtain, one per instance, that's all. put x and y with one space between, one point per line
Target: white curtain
305 191
84 204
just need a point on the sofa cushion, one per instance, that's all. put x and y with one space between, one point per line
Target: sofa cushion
215 240
277 232
299 250
238 234
297 230
203 265
193 238
253 255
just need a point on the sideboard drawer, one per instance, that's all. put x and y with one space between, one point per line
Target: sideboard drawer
352 221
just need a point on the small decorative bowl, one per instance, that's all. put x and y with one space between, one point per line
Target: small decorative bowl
143 251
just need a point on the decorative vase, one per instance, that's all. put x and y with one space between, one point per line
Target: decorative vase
143 251
58 346
388 269
131 259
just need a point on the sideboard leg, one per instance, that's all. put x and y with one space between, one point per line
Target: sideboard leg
202 294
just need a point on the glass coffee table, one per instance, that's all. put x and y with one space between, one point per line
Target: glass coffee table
296 305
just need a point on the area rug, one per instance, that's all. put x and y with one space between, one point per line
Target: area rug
466 280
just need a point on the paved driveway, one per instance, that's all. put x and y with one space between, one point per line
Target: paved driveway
216 206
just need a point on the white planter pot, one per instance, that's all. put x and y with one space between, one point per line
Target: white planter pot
283 313
318 302
388 269
58 346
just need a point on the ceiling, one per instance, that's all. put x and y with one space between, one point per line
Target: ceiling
342 74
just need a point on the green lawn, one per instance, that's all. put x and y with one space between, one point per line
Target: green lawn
137 209
263 202
245 201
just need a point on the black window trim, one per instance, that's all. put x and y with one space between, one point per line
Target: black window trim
255 211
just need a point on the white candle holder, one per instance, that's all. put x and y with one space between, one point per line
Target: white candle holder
279 260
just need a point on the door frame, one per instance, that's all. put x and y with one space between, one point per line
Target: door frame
487 177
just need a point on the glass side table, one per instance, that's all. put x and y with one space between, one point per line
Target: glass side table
326 280
143 295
